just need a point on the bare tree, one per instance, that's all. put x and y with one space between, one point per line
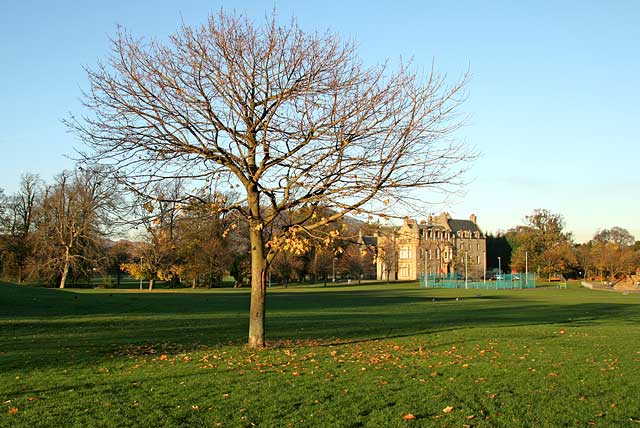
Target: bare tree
288 119
157 214
616 235
18 222
3 238
69 224
4 209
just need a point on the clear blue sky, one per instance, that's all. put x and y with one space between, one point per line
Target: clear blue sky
553 101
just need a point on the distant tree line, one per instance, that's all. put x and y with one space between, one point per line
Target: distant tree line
82 225
542 245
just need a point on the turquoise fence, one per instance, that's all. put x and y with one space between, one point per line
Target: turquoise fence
499 282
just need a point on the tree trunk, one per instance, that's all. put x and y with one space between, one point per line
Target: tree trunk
193 282
258 289
151 284
65 269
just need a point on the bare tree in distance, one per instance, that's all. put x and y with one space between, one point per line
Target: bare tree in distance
288 119
70 223
616 235
18 223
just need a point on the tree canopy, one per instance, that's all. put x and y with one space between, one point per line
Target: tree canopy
288 119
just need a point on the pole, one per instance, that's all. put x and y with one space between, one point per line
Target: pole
526 268
484 270
334 269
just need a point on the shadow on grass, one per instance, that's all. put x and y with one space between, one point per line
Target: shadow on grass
49 328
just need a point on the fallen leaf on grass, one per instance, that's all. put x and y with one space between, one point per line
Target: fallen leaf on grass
447 409
408 417
33 398
13 410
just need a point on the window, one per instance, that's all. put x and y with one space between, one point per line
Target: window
405 271
478 259
437 253
405 253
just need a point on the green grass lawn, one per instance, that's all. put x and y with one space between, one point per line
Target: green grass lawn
359 356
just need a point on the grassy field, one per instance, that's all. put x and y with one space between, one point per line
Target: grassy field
360 356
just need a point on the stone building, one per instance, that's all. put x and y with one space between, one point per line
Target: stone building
436 246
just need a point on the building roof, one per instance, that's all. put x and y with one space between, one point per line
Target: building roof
457 225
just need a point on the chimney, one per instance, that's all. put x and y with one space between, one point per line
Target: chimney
473 218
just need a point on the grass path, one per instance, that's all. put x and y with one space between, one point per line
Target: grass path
367 356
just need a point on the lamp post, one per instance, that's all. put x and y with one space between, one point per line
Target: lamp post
484 267
334 269
499 268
